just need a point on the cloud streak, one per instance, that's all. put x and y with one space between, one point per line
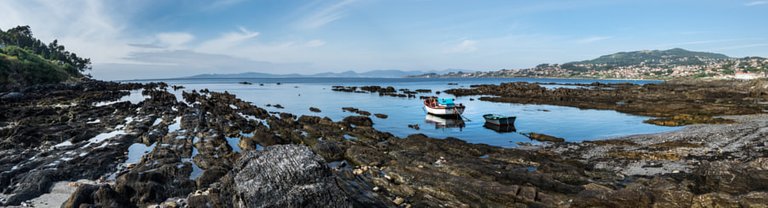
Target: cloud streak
174 39
325 15
593 39
755 3
465 46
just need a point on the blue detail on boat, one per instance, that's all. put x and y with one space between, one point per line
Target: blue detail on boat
445 101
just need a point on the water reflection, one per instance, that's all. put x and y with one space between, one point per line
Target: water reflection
500 128
445 122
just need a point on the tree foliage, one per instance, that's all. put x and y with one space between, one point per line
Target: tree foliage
26 60
21 36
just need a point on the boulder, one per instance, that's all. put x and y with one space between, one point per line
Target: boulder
286 176
359 120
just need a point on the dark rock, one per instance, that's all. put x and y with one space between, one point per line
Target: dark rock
12 96
313 109
543 137
381 115
359 120
286 176
329 150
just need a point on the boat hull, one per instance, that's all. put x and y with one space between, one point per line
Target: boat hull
506 121
447 111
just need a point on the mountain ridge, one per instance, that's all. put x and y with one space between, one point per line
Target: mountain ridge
387 73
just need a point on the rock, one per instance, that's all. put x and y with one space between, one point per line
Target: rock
714 200
414 126
364 113
687 119
381 116
329 150
398 201
359 120
544 137
286 176
313 109
12 96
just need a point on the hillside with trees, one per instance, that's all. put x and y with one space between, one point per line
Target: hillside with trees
25 60
647 64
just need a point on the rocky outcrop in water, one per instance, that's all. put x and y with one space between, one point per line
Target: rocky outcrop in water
672 100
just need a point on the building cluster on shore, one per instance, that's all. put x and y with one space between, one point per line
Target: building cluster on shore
664 68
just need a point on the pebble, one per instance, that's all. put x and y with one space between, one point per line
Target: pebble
357 171
398 200
376 188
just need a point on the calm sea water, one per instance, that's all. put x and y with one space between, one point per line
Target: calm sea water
298 94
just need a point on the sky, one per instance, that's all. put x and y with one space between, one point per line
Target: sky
141 39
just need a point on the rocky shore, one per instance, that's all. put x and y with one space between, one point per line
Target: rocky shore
211 149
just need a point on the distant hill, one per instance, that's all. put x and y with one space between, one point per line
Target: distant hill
243 75
648 64
675 56
352 74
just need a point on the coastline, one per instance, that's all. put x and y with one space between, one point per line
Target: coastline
355 162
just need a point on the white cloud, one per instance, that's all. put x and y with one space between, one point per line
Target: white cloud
755 3
181 63
314 43
84 27
593 39
228 40
465 46
174 39
324 15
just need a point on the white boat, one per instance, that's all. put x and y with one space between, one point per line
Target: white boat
443 107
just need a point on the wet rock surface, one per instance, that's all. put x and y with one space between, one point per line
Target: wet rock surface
212 149
286 176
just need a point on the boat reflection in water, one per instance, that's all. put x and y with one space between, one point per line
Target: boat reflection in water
500 128
445 122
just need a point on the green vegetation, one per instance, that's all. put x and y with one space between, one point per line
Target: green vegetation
25 60
676 56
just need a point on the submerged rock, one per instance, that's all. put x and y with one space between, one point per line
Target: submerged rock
544 137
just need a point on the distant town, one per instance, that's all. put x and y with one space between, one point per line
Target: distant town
668 64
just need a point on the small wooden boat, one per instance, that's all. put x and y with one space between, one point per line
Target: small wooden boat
443 107
499 120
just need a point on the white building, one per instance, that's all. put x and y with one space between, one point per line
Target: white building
745 75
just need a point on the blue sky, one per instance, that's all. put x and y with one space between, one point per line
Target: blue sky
159 39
